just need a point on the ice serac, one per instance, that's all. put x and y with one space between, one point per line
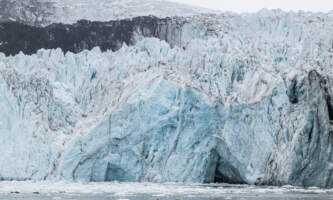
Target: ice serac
305 153
249 102
25 148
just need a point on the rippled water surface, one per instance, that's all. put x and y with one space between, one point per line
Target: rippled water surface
149 191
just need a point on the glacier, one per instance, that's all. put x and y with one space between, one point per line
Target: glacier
248 99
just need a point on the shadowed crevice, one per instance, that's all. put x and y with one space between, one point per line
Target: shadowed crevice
115 173
226 173
330 107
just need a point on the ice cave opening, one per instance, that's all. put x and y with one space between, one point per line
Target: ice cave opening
222 171
226 173
115 173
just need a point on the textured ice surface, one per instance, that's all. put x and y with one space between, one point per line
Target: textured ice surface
251 103
45 12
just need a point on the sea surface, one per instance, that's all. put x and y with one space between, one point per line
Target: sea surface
150 191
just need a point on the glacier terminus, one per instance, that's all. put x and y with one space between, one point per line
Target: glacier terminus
194 97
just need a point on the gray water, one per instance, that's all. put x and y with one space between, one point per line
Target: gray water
176 197
149 191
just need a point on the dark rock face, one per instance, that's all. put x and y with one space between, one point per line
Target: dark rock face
16 37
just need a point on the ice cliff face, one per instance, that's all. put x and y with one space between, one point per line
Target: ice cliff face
162 121
207 98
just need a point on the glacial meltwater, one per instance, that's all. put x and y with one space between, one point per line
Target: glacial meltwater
150 191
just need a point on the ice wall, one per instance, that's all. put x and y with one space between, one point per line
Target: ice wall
250 101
